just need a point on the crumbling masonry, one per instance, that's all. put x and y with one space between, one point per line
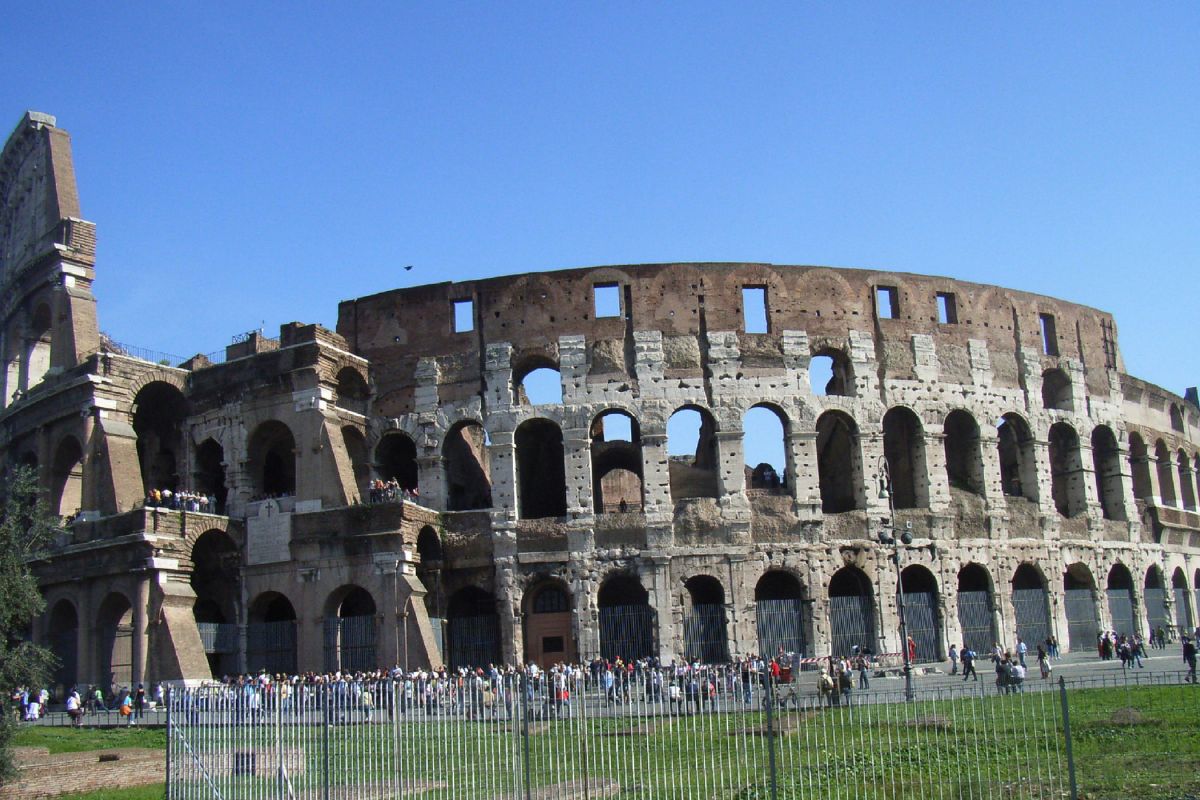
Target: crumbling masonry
1049 492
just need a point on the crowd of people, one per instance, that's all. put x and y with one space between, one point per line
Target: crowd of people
30 705
182 500
390 491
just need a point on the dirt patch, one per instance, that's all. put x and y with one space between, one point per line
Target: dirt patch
637 730
931 722
1128 716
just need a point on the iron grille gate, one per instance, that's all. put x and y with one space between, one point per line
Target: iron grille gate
1033 615
350 644
977 621
472 641
1120 608
1156 609
626 632
852 619
271 646
1182 618
921 619
780 627
704 634
1082 628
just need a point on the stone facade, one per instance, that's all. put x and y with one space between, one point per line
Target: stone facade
1048 492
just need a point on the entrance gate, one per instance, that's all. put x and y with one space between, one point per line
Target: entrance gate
1081 619
1033 615
350 643
920 616
472 641
1156 608
977 621
704 634
1181 609
626 632
1120 608
271 646
852 619
780 627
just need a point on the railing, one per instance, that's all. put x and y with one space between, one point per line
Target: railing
654 734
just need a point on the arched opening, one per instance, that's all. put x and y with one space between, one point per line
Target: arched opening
541 471
37 358
1079 589
62 637
352 391
356 448
549 635
1106 461
1185 612
429 573
1155 595
1176 418
1018 465
851 612
764 445
159 415
616 463
114 643
66 480
1166 476
976 608
215 561
272 455
1056 390
783 618
396 459
1119 593
271 635
11 366
839 466
964 460
350 630
626 619
904 450
1139 464
692 453
472 628
704 624
1031 605
210 472
829 373
537 383
1066 471
921 617
468 476
1187 491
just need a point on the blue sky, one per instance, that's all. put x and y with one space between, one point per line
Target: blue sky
253 166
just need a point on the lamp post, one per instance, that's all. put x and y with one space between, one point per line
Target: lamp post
887 538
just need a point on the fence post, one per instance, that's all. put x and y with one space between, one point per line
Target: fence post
324 697
525 690
1066 714
170 741
769 701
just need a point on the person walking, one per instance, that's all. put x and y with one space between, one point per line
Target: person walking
1043 662
1189 658
968 662
953 659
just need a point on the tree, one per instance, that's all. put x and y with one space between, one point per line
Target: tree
25 529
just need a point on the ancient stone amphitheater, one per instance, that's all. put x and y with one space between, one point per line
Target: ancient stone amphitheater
608 511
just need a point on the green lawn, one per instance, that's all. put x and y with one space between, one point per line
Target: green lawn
75 740
1131 742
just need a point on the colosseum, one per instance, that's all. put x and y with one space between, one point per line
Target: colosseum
398 491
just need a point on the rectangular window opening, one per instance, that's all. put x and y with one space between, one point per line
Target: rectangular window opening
554 644
464 316
754 308
887 302
1049 334
947 309
608 300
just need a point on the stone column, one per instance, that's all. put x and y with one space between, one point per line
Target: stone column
870 468
989 453
935 471
660 599
141 609
803 480
577 447
656 480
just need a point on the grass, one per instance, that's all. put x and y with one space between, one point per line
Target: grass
1128 742
76 740
151 791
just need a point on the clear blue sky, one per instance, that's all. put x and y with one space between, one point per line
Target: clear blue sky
251 167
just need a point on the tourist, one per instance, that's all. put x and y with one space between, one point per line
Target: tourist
953 659
1189 658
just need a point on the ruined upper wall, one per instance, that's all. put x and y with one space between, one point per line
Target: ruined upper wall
395 329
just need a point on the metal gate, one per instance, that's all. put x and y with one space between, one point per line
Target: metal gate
1182 618
350 644
1032 611
271 646
977 620
780 626
921 619
1156 609
1120 608
852 620
704 637
472 641
65 645
626 632
116 644
1082 628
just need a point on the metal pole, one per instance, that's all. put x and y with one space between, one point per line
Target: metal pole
769 700
909 692
170 741
524 684
1066 713
324 697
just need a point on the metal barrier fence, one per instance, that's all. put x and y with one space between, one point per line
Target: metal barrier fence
711 734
